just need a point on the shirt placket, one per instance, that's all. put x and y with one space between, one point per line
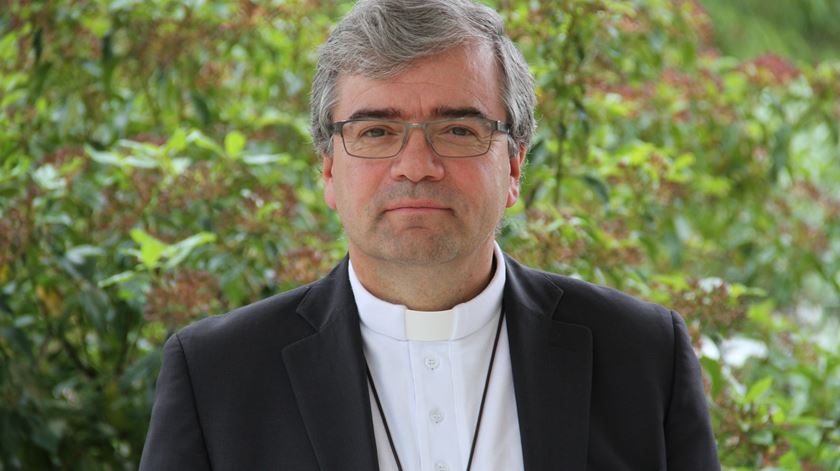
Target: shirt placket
434 389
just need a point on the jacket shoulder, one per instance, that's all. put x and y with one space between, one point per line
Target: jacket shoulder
583 295
606 311
271 321
603 299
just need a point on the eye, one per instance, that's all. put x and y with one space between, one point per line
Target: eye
461 131
374 132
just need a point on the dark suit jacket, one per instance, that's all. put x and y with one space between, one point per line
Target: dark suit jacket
602 382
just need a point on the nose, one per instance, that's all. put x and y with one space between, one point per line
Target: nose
417 161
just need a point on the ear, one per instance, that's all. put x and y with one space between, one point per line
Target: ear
517 160
327 175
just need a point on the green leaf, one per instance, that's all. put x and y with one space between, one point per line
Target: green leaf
177 252
790 461
758 389
760 313
297 122
14 167
104 157
736 290
17 339
48 178
78 254
234 143
143 155
177 142
675 281
177 166
762 437
263 159
197 138
98 25
151 249
713 369
778 416
143 368
47 437
599 186
8 45
95 308
119 278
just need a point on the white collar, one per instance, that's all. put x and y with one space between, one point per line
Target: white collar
400 323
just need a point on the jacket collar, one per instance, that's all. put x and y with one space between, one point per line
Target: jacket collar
551 362
327 374
552 371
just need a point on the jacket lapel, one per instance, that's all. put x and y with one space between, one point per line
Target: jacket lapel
552 372
327 374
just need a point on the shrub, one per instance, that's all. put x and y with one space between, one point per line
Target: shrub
155 167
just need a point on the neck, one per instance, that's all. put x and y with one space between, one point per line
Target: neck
432 287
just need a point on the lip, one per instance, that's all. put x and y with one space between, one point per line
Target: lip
415 205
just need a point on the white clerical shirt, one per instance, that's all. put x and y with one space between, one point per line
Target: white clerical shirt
429 369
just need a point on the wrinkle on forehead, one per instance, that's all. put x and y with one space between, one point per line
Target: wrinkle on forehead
462 77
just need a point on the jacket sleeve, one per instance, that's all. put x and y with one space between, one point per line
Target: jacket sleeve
175 440
688 431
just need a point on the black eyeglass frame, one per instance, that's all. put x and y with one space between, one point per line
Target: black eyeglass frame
495 125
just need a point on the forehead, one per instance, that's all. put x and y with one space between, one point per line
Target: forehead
465 77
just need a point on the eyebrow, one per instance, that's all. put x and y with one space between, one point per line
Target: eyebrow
464 112
376 113
439 112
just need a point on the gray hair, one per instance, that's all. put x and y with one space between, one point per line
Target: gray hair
380 38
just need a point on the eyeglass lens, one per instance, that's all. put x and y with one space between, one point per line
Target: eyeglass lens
372 138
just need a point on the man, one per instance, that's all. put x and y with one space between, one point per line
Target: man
427 348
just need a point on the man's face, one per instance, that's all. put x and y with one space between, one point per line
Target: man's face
418 208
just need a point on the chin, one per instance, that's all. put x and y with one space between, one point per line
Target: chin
422 251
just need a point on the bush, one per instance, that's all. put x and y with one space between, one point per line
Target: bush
155 168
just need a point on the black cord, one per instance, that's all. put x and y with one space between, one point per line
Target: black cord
486 387
384 422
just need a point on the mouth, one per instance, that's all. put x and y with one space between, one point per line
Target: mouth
415 206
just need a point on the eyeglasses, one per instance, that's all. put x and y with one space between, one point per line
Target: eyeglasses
383 139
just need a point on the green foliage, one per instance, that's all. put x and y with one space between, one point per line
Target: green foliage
804 29
155 167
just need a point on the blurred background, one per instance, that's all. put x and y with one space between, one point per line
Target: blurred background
156 168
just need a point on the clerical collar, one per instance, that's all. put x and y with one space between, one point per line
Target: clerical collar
400 323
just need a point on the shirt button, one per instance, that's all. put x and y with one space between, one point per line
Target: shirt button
432 362
441 466
436 416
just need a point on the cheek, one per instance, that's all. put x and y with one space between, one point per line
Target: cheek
487 179
351 190
501 177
